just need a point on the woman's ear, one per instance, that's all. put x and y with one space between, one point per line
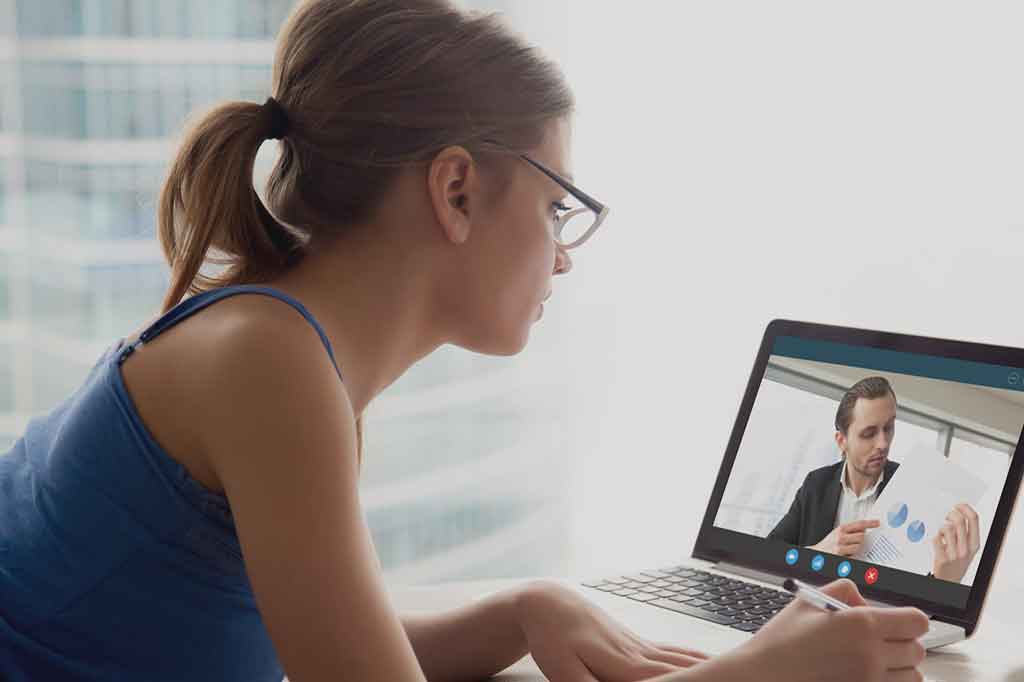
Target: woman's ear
451 180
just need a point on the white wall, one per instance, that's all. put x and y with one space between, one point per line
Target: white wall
851 163
995 412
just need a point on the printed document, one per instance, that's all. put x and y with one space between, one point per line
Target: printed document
912 509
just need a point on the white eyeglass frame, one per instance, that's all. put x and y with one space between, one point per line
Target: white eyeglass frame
599 209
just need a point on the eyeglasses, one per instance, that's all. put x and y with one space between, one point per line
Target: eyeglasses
574 224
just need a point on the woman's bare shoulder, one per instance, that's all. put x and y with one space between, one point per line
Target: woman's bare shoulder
182 384
258 355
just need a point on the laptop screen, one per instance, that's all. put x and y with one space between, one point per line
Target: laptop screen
883 466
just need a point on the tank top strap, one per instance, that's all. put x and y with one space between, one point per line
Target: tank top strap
199 301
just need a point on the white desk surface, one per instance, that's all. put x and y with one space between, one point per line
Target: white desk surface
995 652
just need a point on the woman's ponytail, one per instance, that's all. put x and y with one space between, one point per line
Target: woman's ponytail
208 201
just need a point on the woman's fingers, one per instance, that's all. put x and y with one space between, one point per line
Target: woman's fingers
673 659
845 591
674 655
625 660
681 650
903 623
652 667
906 675
905 654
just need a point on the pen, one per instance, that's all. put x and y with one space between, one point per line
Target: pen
813 596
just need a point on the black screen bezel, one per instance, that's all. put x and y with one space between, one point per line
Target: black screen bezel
707 548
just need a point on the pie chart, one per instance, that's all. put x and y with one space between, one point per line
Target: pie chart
897 515
915 531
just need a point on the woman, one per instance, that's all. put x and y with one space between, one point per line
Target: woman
192 511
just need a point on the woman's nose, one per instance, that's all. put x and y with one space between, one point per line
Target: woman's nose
563 262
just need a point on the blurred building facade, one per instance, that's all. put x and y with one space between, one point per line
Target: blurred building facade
92 95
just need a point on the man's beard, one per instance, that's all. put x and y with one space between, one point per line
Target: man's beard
867 474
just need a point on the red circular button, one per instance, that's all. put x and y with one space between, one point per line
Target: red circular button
871 576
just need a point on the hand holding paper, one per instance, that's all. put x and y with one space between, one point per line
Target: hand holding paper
956 543
847 539
925 509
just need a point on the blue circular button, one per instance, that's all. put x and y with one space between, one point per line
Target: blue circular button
818 562
792 556
844 569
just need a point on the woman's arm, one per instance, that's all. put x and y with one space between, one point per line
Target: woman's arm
473 642
481 639
281 437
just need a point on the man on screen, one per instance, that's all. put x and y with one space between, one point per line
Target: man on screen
832 509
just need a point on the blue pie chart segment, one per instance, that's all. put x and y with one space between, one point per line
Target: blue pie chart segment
897 515
915 531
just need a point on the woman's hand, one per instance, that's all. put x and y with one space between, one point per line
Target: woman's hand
572 640
863 644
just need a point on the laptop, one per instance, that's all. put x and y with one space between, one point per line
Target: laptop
954 438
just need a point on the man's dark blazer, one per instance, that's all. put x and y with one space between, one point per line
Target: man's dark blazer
813 512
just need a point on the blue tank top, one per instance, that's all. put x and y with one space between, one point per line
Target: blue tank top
115 564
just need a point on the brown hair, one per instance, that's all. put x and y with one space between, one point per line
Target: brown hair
869 388
367 86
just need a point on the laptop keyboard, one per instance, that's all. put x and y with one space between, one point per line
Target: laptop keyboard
709 596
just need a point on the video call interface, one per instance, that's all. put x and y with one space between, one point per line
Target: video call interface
879 466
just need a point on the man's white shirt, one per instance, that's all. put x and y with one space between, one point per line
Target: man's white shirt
853 507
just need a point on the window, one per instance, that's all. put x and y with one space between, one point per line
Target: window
225 19
93 303
48 17
3 193
86 201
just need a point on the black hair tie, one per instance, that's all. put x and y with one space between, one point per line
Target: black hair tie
277 120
